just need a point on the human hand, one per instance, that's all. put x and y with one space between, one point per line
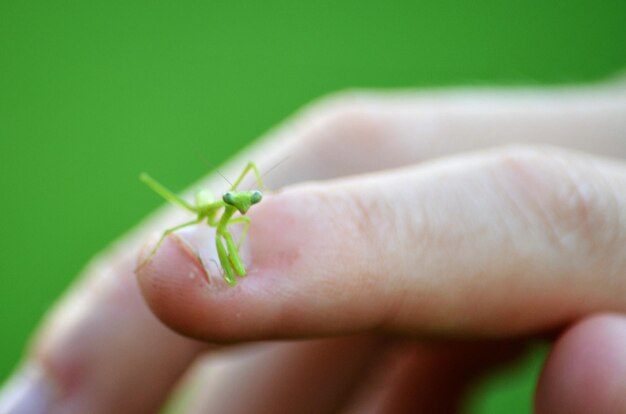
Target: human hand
443 267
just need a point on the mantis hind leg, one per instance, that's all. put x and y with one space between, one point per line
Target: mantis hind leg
250 167
165 193
167 233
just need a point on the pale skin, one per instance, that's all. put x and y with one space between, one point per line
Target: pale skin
218 214
409 237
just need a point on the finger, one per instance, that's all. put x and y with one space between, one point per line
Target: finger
430 377
349 134
291 377
586 370
100 340
358 132
500 243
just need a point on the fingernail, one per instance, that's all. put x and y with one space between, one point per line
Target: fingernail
194 244
29 391
188 255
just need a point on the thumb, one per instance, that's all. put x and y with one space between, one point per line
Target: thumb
497 243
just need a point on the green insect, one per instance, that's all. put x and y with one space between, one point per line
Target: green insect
218 214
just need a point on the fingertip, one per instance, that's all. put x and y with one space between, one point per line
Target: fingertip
174 282
184 288
288 291
586 370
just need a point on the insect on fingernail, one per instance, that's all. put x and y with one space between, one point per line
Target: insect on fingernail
217 213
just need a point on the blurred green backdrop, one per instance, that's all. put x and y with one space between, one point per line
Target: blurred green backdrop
91 93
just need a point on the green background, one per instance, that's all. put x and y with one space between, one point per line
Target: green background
91 93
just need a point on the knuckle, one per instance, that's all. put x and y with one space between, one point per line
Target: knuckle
566 196
348 122
334 106
364 218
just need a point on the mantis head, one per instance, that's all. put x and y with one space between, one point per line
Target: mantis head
242 200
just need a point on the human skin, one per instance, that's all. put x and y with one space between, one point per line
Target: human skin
417 241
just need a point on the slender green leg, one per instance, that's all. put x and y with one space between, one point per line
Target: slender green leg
250 167
229 255
227 270
233 253
229 277
168 232
246 223
165 193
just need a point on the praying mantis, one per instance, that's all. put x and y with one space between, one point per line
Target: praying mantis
218 214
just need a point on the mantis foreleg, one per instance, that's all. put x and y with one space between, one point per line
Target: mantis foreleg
246 223
229 277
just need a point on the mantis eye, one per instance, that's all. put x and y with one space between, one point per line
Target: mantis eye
256 196
228 198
